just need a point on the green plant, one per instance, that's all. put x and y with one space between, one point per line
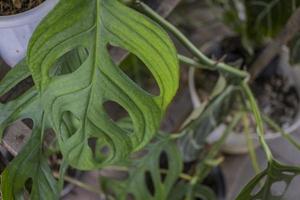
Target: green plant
74 75
256 21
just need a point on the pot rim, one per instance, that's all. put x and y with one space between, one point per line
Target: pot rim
27 17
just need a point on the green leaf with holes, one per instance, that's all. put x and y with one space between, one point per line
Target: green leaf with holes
30 163
94 26
271 184
20 107
152 176
30 168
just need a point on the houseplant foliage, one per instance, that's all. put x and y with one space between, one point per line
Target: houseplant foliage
72 102
94 26
74 75
267 17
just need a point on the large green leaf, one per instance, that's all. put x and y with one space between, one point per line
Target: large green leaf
147 178
93 25
276 173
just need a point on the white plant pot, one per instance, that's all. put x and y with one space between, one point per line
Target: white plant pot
16 30
236 143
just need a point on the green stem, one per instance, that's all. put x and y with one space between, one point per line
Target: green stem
201 58
79 184
204 60
191 62
258 119
250 145
183 176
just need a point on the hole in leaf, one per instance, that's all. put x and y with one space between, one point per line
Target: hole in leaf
149 183
28 122
69 62
16 136
28 185
163 164
92 144
139 154
114 110
69 125
135 69
292 192
117 54
115 174
278 188
50 139
289 173
258 186
100 149
18 90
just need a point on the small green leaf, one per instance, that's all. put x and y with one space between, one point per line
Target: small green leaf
275 173
30 164
26 106
94 25
148 170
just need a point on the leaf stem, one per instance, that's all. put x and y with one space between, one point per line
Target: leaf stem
79 183
250 144
201 58
191 62
183 176
258 119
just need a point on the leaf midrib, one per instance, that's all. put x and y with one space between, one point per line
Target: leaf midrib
96 52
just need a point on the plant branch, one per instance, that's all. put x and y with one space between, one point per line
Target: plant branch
201 58
79 183
183 176
258 119
250 145
204 60
273 48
